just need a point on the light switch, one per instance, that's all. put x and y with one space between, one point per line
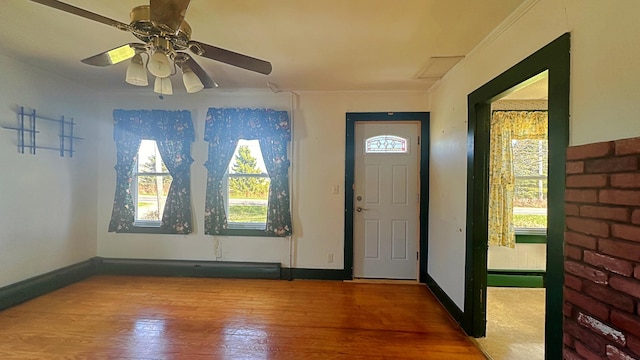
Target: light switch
336 189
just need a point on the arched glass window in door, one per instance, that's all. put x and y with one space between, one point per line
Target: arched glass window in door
386 144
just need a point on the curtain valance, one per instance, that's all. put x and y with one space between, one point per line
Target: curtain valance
153 124
523 124
250 124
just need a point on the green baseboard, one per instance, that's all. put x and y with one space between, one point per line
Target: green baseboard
525 280
28 289
188 268
444 299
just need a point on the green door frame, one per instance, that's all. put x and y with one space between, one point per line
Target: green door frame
349 170
554 57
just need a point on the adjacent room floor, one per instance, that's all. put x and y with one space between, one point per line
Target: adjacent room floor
515 324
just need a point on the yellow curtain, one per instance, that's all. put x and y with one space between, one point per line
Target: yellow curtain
505 127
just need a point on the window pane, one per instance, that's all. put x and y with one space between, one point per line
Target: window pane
248 189
152 195
248 197
530 190
149 159
386 144
247 159
151 190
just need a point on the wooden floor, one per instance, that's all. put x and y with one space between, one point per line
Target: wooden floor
189 318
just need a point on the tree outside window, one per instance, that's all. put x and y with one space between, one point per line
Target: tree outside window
248 187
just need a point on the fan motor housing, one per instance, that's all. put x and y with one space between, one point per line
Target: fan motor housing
147 30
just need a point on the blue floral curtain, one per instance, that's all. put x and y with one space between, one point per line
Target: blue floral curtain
123 213
173 132
223 129
176 155
220 153
274 153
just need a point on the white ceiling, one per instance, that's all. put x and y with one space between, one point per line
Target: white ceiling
312 44
535 89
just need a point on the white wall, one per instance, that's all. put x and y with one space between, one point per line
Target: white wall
47 203
604 104
318 164
521 257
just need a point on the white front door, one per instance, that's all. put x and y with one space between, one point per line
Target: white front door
386 200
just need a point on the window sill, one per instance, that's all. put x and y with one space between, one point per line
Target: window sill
245 232
531 236
531 231
148 230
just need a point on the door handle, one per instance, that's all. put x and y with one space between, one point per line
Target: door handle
359 209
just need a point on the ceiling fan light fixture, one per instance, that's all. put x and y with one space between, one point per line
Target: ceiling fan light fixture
165 37
191 81
163 86
159 65
136 73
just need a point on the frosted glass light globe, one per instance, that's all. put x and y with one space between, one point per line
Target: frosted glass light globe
159 65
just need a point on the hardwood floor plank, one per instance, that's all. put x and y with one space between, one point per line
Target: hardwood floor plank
117 317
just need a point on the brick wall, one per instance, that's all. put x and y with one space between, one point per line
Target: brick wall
602 251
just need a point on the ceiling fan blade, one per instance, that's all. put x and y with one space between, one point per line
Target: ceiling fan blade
207 81
83 13
113 56
168 14
230 57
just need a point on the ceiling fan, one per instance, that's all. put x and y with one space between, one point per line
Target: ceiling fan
165 37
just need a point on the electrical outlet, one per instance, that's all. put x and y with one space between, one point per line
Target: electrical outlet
330 258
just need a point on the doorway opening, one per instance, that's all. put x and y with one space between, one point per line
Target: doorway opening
516 255
553 58
391 120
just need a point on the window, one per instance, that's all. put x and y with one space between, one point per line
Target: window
247 184
231 208
151 185
530 187
385 144
153 162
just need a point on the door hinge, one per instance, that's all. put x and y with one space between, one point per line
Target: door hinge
418 140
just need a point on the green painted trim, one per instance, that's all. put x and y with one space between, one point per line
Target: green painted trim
517 271
314 274
148 230
531 239
444 299
246 232
351 118
189 268
522 279
554 57
28 289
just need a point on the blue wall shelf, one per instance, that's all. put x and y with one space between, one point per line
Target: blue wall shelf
27 131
